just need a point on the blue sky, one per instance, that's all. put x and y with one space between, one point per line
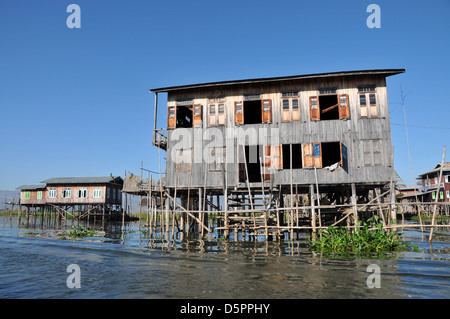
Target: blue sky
75 102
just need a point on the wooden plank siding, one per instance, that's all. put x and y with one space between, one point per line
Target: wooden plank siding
352 130
32 198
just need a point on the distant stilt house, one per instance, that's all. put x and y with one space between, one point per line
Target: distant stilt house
95 195
429 183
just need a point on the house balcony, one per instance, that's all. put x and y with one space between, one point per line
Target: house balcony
159 139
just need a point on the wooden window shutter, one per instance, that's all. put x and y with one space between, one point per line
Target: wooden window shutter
277 156
307 156
317 154
273 159
266 106
373 105
197 115
212 115
285 111
171 117
363 105
221 113
239 113
344 158
344 110
295 109
267 163
314 108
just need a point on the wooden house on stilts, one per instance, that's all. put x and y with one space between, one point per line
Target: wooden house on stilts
288 149
86 196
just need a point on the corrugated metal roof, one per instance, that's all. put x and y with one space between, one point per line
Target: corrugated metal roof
385 72
445 168
31 187
82 180
399 181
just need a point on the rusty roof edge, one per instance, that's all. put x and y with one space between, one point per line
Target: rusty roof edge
83 180
32 187
386 72
446 168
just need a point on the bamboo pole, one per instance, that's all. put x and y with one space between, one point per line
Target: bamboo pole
354 202
149 201
291 219
266 232
225 199
437 194
188 204
248 186
189 213
313 213
174 209
318 196
380 211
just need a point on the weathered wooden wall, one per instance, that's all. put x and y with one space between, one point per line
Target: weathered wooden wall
358 134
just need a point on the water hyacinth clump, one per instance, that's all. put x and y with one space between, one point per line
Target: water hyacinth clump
370 238
78 232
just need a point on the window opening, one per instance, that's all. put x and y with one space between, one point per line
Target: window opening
368 101
97 192
327 155
328 105
291 111
52 192
331 153
296 156
252 158
184 116
82 193
66 193
252 112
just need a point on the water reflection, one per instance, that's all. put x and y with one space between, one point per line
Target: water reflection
132 262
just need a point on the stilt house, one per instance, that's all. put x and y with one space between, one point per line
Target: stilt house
330 130
104 192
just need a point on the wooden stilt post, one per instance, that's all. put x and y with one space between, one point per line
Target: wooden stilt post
313 212
167 220
291 204
266 232
249 192
200 210
354 202
174 208
318 197
380 211
226 233
188 206
437 195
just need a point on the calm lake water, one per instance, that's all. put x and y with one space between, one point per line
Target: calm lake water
33 263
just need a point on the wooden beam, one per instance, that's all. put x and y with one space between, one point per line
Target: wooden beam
329 108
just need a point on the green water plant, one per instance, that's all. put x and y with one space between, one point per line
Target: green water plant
78 232
369 237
